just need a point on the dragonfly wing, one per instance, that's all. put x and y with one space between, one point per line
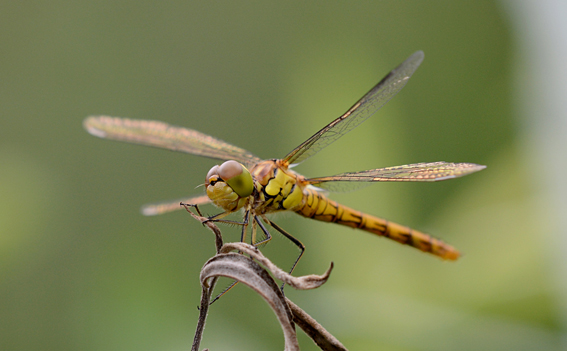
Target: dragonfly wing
165 136
417 172
172 205
364 108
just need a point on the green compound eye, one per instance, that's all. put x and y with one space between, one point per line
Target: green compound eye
237 177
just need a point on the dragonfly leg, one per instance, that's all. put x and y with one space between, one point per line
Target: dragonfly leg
242 238
223 292
266 232
291 238
268 238
287 235
244 226
216 218
191 205
225 221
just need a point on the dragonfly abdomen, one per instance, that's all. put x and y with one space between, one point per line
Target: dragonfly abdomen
319 207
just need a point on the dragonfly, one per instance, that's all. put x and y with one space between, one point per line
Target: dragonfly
257 187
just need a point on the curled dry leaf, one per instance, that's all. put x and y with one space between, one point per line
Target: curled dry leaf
301 283
207 223
319 335
245 270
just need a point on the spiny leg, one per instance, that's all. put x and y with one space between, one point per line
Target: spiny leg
215 218
245 226
266 232
242 238
187 206
191 205
268 238
224 292
291 238
287 235
218 217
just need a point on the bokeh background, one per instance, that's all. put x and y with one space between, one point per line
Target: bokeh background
81 269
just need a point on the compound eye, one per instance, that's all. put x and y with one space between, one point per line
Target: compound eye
237 177
214 172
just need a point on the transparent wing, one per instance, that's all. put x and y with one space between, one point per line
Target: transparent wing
364 108
165 136
417 172
172 205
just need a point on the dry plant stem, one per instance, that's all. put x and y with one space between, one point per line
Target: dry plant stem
301 283
325 340
207 291
205 221
244 269
203 310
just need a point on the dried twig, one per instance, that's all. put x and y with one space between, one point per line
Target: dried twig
324 339
244 269
248 271
206 222
301 283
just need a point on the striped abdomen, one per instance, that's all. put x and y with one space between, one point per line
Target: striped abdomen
319 207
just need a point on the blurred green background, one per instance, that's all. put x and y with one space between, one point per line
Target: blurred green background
81 269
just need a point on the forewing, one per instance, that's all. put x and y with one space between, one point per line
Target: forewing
172 205
165 136
364 108
417 172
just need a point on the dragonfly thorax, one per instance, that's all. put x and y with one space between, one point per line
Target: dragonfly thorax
229 185
279 188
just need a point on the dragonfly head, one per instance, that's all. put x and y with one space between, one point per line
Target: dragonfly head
229 184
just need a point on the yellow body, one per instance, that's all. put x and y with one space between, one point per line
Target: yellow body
319 207
270 186
280 189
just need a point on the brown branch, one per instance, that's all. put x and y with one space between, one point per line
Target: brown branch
247 270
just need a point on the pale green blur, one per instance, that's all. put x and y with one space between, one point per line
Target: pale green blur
81 269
